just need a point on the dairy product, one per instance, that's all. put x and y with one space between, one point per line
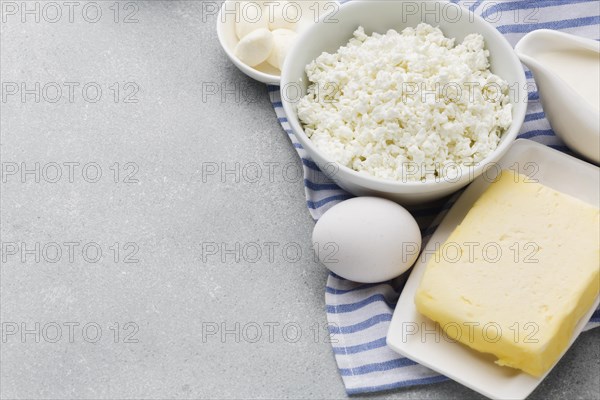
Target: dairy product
578 68
283 40
281 18
255 47
516 275
387 102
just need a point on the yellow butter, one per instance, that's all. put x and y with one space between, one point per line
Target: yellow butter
517 274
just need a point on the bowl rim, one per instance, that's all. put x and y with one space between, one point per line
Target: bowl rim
246 69
391 186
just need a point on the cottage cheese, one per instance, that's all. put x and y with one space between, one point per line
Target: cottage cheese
409 106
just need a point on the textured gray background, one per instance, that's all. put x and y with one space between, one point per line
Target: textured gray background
171 293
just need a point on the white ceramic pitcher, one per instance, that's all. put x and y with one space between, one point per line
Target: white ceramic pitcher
564 66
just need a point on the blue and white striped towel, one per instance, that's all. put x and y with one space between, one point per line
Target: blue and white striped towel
360 313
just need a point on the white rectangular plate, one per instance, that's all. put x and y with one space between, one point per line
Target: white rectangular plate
454 360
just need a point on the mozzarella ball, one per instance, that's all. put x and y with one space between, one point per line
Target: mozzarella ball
283 39
255 47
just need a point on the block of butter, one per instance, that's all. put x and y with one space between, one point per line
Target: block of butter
516 275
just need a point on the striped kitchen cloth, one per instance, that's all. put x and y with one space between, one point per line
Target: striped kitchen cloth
359 314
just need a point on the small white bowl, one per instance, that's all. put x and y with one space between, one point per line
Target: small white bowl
380 16
265 72
227 37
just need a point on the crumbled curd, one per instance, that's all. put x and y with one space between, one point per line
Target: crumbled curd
406 106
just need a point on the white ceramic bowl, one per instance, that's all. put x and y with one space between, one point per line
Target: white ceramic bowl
312 10
227 37
380 16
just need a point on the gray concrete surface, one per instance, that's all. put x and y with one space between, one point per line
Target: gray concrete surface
161 296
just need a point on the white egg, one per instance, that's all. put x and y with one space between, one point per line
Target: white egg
283 41
367 239
255 47
250 17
